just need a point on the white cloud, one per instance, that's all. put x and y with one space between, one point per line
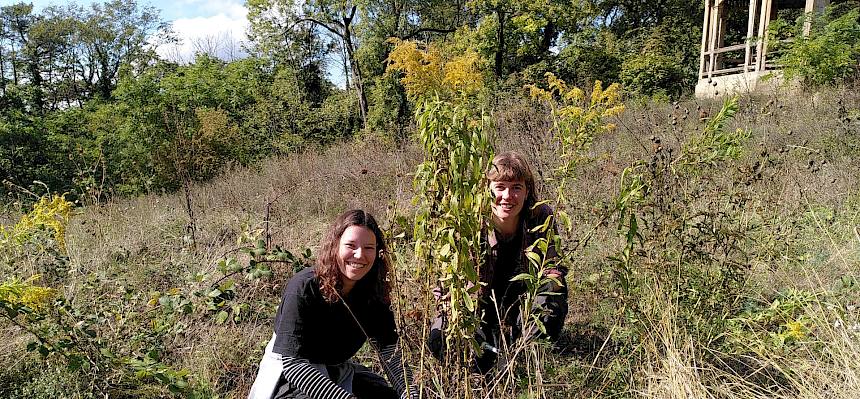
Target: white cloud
211 6
222 33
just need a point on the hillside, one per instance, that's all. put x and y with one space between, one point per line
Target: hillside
742 281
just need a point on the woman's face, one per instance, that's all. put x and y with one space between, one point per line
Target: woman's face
356 253
508 198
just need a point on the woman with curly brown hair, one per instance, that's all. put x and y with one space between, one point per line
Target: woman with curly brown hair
327 313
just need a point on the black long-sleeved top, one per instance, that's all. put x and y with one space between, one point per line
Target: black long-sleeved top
311 330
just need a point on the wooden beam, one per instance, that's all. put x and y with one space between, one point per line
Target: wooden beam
715 21
812 6
764 22
720 33
705 26
766 27
749 38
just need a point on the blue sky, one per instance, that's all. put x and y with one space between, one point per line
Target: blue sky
198 23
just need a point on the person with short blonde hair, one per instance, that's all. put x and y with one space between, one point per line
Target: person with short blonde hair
505 241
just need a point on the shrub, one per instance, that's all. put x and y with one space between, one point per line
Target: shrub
653 74
583 64
830 54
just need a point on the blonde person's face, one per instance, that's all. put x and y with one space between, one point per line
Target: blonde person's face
356 254
508 198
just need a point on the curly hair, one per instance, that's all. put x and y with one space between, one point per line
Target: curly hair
327 269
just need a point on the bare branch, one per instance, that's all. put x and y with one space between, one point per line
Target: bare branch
323 24
422 30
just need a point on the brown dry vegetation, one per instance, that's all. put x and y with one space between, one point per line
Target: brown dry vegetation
801 166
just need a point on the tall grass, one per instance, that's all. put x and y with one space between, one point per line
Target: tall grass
803 236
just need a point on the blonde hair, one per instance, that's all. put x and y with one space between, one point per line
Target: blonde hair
512 166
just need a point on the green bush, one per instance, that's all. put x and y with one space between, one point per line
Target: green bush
389 109
830 54
585 64
653 74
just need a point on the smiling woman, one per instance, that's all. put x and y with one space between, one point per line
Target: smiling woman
326 315
356 253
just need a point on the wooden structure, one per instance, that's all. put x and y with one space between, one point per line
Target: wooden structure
732 61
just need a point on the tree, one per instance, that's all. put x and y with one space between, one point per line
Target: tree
337 17
110 36
65 56
278 35
15 22
523 32
32 45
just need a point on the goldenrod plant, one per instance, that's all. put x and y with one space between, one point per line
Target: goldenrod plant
451 193
50 213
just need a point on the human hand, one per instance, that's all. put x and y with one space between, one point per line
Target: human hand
437 293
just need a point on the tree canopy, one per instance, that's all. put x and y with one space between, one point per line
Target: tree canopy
88 107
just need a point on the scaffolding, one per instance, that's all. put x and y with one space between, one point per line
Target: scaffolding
730 61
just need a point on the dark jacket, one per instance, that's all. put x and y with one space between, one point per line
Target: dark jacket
505 259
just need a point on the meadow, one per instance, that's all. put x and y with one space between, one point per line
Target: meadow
711 256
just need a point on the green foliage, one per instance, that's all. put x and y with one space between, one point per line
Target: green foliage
452 200
653 74
773 328
176 381
127 122
23 298
221 298
389 109
665 59
830 54
36 245
515 34
77 337
29 158
715 145
585 63
684 240
577 121
59 330
430 74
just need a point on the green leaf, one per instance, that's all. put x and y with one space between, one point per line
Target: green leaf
228 285
565 220
522 276
221 317
74 362
534 258
467 300
445 250
258 251
106 353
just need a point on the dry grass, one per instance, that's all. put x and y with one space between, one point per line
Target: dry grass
135 246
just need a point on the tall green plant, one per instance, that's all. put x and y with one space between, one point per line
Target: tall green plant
452 196
577 119
453 201
685 240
